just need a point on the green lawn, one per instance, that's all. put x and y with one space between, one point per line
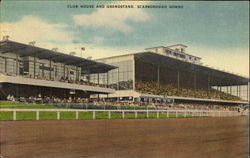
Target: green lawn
21 115
47 115
6 115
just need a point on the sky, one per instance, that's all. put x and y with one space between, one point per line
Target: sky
218 32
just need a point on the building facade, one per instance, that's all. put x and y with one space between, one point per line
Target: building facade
42 71
173 77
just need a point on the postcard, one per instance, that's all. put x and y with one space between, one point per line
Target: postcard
124 79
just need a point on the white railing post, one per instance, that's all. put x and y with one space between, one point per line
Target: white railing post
58 115
147 113
37 115
93 115
123 114
77 115
157 114
14 115
109 115
135 114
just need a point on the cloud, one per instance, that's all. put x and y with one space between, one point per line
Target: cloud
112 18
49 35
31 28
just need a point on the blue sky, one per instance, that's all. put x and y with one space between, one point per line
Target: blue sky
211 30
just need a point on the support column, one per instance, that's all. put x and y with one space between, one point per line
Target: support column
158 77
208 86
50 92
230 88
42 70
17 65
50 69
34 67
17 91
217 90
88 77
194 84
247 91
64 71
98 78
178 82
5 65
77 78
239 90
108 79
118 79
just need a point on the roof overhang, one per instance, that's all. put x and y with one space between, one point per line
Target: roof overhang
168 62
41 53
53 84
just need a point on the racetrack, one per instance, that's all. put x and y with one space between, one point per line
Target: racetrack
128 138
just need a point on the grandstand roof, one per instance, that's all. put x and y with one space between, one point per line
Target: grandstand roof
177 45
23 50
222 78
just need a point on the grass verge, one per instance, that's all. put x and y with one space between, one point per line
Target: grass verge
49 115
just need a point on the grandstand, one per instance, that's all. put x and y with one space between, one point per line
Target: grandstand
166 74
157 75
29 71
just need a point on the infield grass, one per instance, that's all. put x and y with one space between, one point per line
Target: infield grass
51 115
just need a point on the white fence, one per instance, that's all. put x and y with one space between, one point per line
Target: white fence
168 113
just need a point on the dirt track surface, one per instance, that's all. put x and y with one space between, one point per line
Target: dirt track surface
129 138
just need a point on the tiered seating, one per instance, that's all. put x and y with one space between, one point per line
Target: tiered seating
67 80
170 90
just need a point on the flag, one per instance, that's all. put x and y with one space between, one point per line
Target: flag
82 48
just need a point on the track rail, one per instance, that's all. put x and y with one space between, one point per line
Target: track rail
176 113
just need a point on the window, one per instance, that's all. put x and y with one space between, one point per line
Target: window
182 56
124 80
2 64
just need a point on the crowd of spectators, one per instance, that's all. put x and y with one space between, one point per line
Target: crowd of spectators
170 90
62 79
90 103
